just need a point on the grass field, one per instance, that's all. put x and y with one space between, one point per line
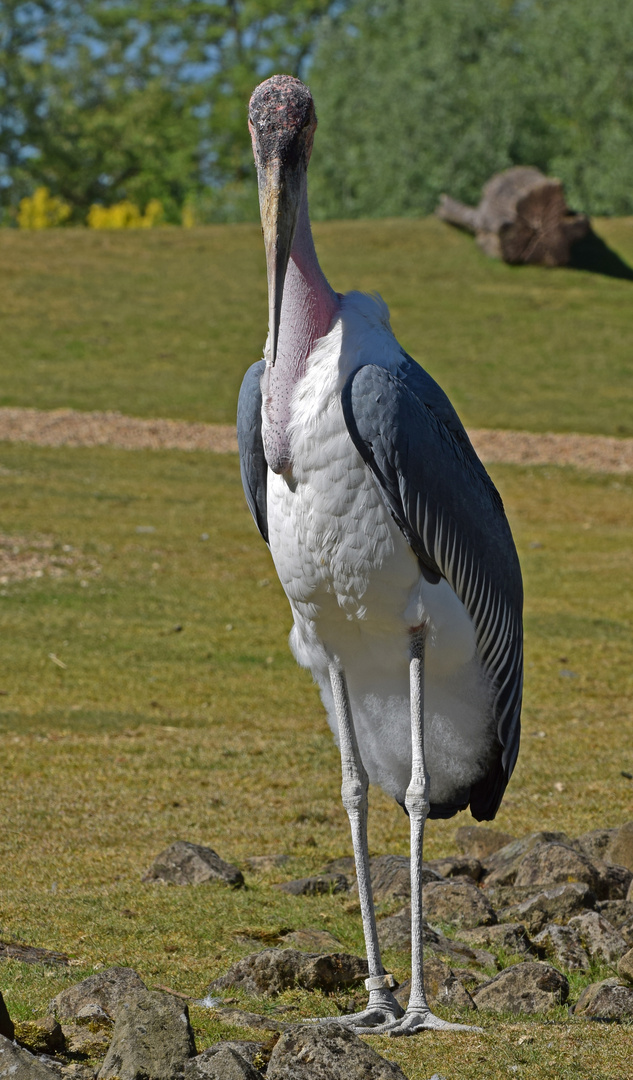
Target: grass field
179 713
165 322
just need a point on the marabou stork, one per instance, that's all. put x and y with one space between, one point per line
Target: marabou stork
389 538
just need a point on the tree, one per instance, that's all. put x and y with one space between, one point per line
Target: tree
419 98
139 99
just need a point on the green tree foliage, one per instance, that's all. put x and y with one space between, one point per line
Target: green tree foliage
140 99
416 98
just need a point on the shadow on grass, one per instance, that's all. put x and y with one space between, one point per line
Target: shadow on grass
593 254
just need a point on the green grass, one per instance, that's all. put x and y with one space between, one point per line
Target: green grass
165 322
210 732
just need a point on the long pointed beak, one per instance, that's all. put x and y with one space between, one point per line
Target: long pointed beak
279 200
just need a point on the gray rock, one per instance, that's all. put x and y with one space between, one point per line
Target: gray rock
261 864
152 1039
274 970
607 1000
7 1029
346 864
621 847
246 1048
531 987
391 877
43 1036
458 903
596 844
320 884
88 1038
617 912
625 966
31 954
626 929
511 937
108 990
562 944
242 1019
554 864
629 895
601 940
457 866
442 986
480 841
311 939
501 867
613 881
221 1062
394 932
556 905
18 1064
183 863
327 1052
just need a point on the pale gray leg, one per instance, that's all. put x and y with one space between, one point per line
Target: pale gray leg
382 1007
418 1016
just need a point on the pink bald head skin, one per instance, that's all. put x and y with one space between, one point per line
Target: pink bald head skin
282 121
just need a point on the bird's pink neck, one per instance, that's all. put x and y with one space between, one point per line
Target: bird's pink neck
308 310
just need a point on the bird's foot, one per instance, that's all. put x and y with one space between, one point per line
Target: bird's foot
420 1019
382 1011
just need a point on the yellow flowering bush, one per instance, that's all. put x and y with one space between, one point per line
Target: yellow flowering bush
125 215
41 210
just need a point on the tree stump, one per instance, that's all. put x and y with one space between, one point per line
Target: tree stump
522 218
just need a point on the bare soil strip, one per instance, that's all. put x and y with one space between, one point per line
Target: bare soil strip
65 427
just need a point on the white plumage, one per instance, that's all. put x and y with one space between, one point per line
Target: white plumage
355 586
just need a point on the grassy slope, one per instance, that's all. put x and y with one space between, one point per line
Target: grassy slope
165 322
151 733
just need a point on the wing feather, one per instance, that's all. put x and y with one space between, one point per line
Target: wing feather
411 439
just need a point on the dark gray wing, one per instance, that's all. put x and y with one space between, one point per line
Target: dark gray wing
253 465
451 514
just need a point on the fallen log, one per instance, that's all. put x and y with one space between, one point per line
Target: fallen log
522 218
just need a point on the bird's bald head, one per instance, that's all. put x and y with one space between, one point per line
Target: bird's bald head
282 121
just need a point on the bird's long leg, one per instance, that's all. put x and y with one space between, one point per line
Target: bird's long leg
382 1007
418 1016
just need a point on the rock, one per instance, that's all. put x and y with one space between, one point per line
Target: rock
241 1018
510 937
152 1038
87 1038
315 886
501 867
613 881
106 990
221 1062
43 1036
457 866
607 1000
274 970
458 903
246 1048
311 940
391 877
18 1064
596 844
183 863
345 865
621 847
441 984
553 864
261 864
30 954
531 987
627 932
327 1052
563 944
556 905
601 940
629 895
7 1029
481 842
617 912
625 966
